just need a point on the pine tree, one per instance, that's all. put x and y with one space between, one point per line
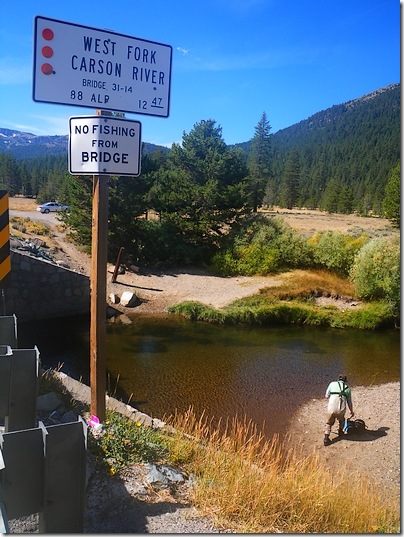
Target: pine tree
290 181
202 189
391 202
260 161
9 174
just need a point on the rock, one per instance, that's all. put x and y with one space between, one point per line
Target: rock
154 476
174 476
63 264
114 298
124 319
39 243
48 402
129 299
68 417
163 475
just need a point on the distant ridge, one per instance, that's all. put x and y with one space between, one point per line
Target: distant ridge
24 145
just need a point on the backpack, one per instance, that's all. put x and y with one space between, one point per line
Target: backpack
343 389
354 426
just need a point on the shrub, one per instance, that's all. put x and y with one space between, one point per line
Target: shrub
256 259
261 245
124 442
225 262
335 251
376 271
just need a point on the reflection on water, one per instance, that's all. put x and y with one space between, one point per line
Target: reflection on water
169 364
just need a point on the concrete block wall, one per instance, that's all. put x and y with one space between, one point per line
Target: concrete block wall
42 290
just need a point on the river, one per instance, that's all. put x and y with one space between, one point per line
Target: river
163 364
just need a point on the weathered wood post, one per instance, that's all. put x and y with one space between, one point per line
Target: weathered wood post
98 296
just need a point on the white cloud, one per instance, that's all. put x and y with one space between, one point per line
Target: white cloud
51 125
184 51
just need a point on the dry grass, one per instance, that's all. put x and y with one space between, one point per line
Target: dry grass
312 283
27 226
22 204
308 222
253 485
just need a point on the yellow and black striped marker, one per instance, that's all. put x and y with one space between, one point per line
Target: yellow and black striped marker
5 260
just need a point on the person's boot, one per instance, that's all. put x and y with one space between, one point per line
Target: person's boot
327 440
340 432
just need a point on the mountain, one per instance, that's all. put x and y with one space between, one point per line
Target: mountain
22 145
345 153
340 157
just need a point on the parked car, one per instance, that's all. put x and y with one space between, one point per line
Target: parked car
51 206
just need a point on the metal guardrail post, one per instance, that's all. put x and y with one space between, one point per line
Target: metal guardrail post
65 478
5 375
4 527
8 331
43 470
23 390
22 475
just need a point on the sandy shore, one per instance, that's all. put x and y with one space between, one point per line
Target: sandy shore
375 454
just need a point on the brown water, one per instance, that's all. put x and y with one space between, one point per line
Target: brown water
264 374
261 373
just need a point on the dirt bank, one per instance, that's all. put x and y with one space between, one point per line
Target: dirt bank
375 454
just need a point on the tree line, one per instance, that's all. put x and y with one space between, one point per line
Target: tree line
202 188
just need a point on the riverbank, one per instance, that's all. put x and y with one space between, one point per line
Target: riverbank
374 454
159 290
125 503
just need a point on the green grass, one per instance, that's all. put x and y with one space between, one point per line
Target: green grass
293 302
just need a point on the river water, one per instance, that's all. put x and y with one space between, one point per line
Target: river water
163 364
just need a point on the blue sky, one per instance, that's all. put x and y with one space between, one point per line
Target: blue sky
232 59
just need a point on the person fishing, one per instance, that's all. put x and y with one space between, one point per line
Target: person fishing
339 396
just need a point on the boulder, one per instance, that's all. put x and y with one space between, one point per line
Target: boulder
114 298
129 299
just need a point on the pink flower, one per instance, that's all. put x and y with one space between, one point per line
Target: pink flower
93 421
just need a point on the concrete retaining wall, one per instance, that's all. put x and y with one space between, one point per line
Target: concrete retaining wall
42 290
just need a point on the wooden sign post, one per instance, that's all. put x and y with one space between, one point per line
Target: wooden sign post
98 298
98 289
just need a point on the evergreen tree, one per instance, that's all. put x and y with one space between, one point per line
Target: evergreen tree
79 197
9 174
259 161
202 188
331 196
391 202
344 205
290 181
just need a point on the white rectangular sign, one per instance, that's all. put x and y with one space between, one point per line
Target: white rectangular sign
82 66
103 145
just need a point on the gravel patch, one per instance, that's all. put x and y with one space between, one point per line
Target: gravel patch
374 454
